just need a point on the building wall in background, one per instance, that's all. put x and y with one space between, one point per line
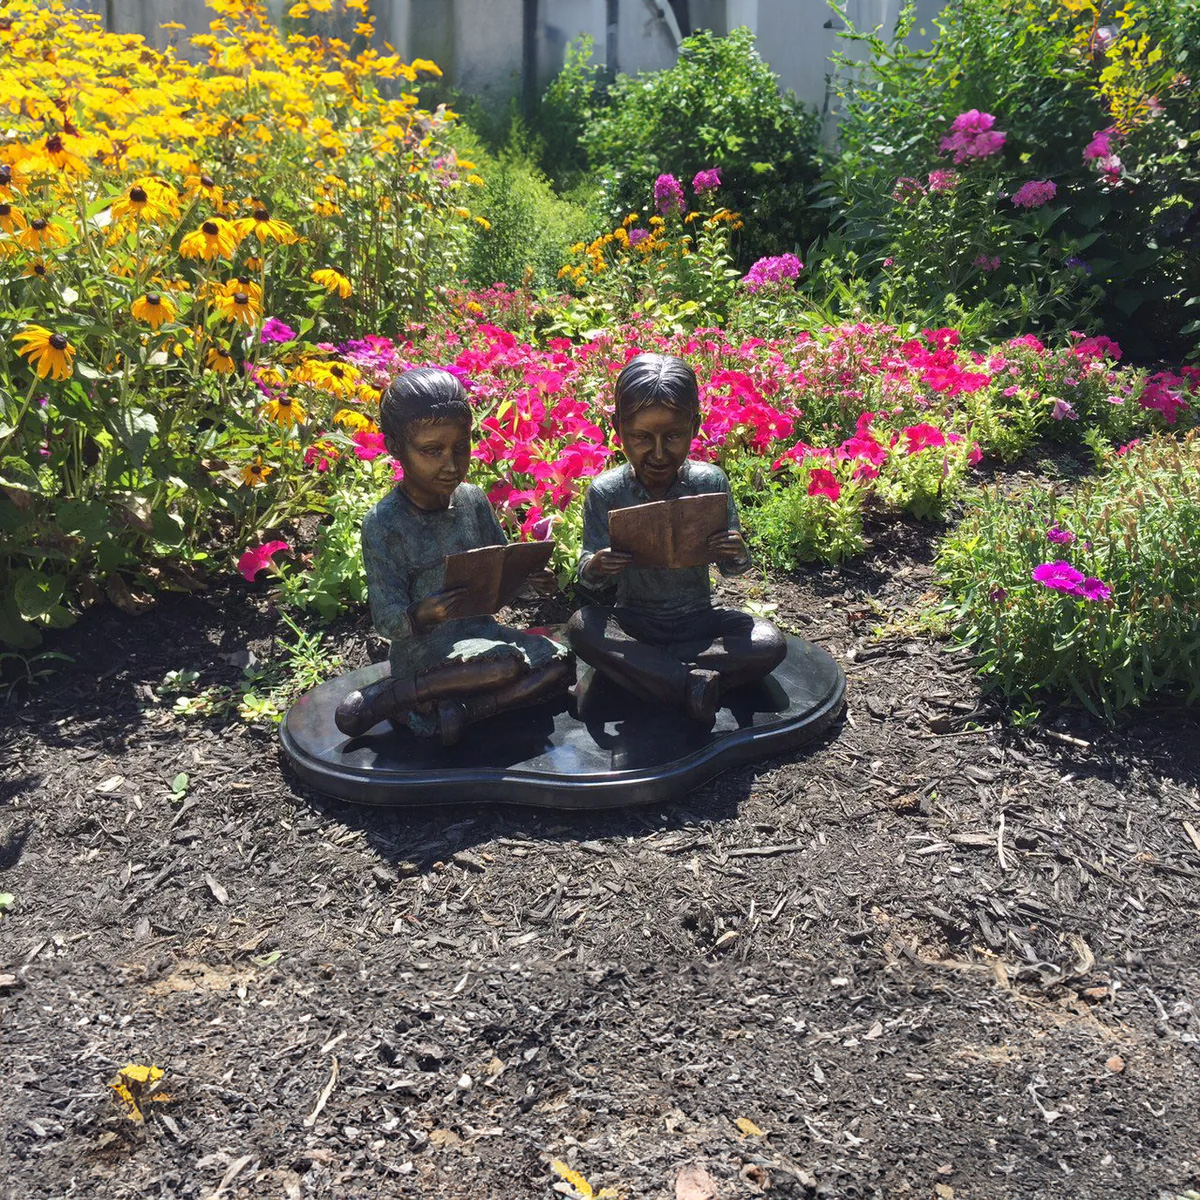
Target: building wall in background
479 43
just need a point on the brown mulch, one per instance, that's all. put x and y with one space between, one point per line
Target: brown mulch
935 956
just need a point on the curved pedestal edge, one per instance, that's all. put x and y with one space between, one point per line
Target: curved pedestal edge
623 788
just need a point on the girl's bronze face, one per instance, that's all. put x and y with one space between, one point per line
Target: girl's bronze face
656 440
436 456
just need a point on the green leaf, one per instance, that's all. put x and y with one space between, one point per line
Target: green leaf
179 785
36 594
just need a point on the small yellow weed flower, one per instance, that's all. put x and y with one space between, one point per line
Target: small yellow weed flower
50 354
333 281
220 360
216 238
154 309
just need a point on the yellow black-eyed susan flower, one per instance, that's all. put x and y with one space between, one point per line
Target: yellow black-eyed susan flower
216 238
202 184
154 309
262 225
220 360
351 418
340 378
333 281
12 220
40 235
255 473
254 263
50 354
37 269
147 200
62 157
239 305
284 411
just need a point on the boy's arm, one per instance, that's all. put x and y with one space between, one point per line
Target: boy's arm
595 537
741 564
388 576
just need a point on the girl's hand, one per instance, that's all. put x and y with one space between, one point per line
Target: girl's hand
435 609
543 582
728 548
607 562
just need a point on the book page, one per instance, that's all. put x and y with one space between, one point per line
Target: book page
494 574
669 533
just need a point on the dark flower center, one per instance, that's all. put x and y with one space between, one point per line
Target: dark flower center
336 371
39 269
138 195
240 298
206 181
256 469
261 214
38 223
5 174
244 280
5 209
285 402
153 298
210 227
54 144
58 341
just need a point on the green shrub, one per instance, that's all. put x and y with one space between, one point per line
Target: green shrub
1120 231
570 101
1115 618
718 106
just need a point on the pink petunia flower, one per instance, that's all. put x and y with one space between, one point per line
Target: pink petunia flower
824 483
259 558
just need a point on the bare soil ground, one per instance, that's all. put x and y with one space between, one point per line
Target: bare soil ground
934 956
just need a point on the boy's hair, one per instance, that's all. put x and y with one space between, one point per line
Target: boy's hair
421 395
651 379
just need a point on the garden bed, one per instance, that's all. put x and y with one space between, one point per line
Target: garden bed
935 952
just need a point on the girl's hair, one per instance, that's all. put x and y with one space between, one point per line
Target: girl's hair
651 379
420 395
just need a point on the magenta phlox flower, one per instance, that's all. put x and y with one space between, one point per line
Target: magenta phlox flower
972 136
943 180
706 182
275 330
777 269
637 236
1035 193
259 558
823 482
668 195
907 190
1100 146
986 262
1030 342
1062 537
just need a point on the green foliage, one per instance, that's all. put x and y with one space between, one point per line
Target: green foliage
1134 528
718 106
1119 244
573 96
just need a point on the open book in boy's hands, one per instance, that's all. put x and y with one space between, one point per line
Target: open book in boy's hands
669 533
494 574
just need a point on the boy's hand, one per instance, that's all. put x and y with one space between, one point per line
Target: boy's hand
435 609
608 562
543 582
728 548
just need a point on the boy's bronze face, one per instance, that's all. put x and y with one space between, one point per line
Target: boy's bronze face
656 440
436 456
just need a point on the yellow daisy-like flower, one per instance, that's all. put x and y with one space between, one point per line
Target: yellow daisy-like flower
41 235
631 219
255 473
240 283
263 226
50 354
147 199
37 269
12 220
254 263
154 309
239 305
62 158
220 360
284 411
201 184
340 378
333 281
324 206
216 238
350 418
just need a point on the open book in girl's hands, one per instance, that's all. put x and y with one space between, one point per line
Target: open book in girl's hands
669 533
493 575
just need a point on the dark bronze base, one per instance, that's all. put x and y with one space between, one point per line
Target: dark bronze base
623 750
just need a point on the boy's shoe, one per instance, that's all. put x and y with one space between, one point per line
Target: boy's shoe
452 720
702 696
361 711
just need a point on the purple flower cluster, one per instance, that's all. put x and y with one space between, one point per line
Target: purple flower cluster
706 181
943 180
972 136
1060 576
1101 153
275 330
668 195
988 262
1035 193
637 235
1063 537
772 270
